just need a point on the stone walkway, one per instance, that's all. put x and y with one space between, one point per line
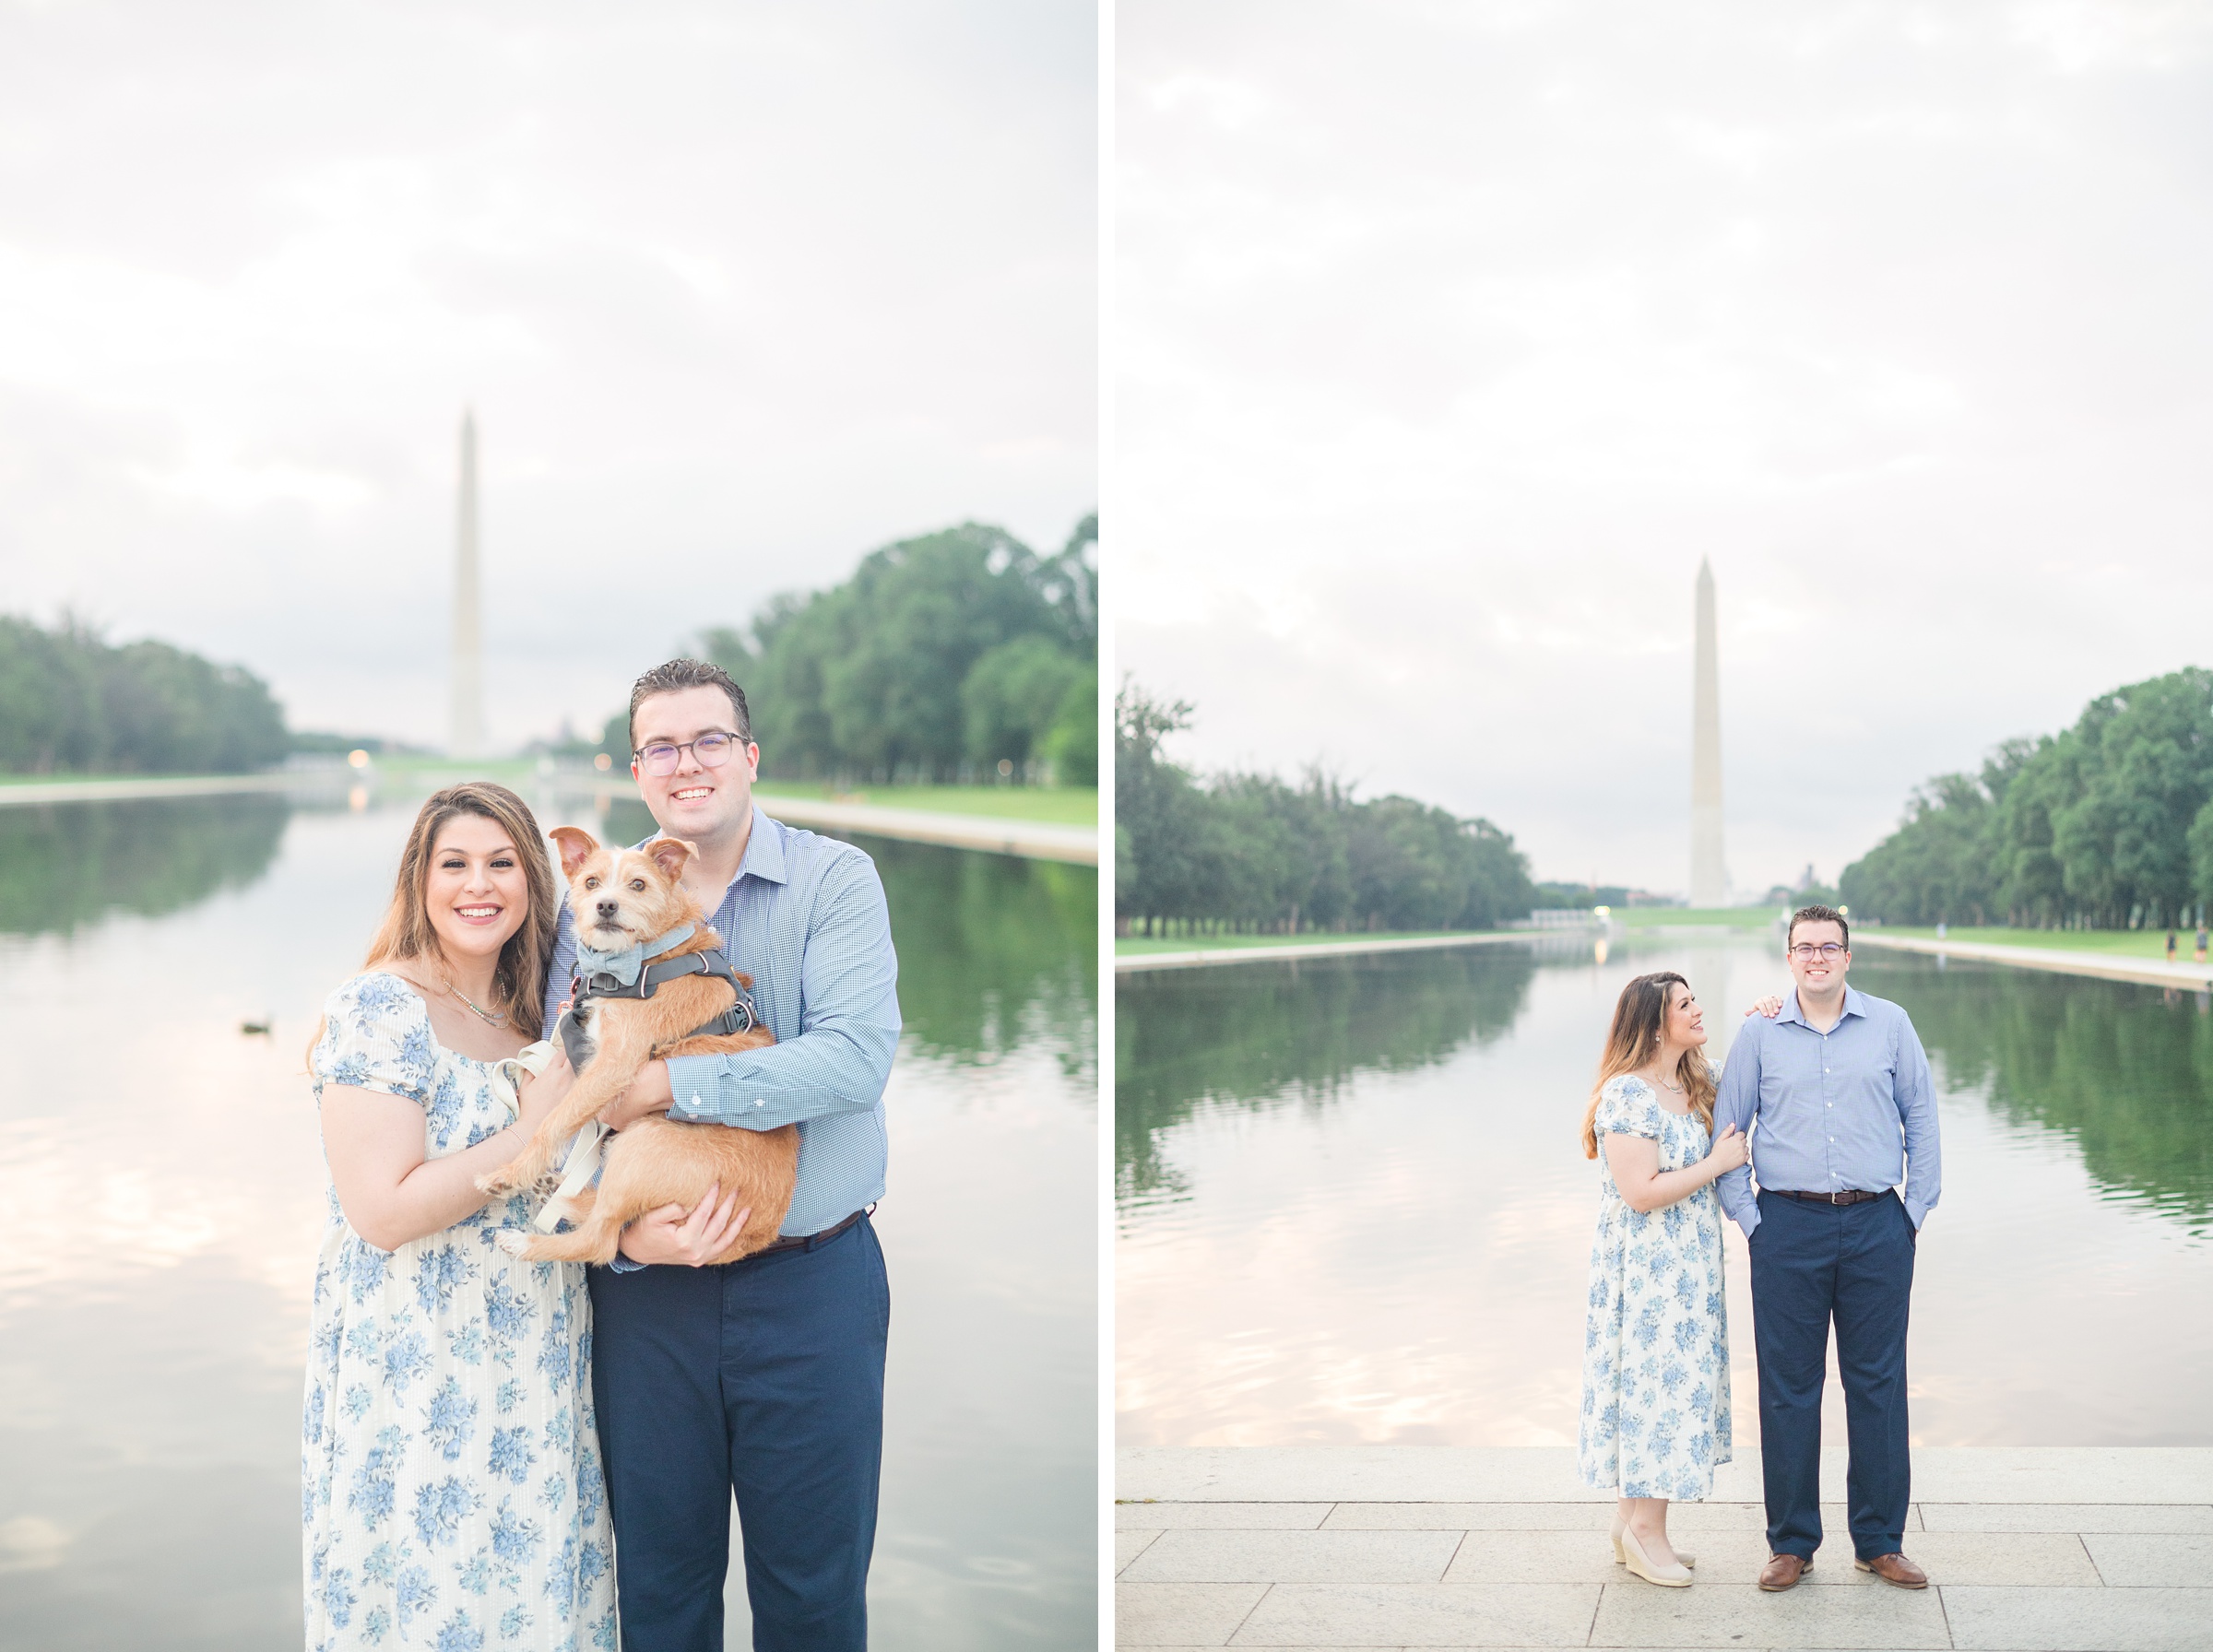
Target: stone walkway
2045 1549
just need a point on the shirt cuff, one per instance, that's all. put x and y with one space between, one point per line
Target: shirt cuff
623 1264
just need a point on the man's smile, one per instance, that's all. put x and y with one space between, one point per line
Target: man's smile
691 794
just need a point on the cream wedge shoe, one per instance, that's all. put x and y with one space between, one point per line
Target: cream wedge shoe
1620 1559
1633 1557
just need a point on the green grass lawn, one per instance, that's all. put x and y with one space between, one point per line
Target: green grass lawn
1137 946
1058 806
1051 805
2125 943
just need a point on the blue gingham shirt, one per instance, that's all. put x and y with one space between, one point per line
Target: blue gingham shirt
1850 1108
806 919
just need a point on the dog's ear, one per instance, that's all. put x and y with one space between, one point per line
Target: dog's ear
669 854
575 845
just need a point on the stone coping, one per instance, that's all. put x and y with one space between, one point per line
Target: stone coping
2151 972
2070 1474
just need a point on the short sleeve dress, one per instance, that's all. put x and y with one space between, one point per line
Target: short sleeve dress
1655 1417
451 1491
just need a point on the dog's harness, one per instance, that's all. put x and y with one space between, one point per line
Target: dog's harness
740 1017
582 1167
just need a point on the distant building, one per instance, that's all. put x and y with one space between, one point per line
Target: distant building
1708 872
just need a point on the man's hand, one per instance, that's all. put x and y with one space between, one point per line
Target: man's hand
670 1234
648 1092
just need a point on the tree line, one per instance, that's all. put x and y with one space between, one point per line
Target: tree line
954 657
2104 825
73 703
1247 852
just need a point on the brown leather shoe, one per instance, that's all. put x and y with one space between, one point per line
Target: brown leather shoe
1895 1570
1781 1571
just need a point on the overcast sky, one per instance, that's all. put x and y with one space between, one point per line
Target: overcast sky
1451 336
740 293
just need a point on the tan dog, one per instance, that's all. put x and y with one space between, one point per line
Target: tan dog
623 897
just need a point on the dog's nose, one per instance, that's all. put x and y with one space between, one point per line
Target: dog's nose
607 909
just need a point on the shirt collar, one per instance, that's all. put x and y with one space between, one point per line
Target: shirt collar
1855 1003
764 853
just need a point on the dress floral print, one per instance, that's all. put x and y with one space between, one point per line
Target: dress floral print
451 1491
1656 1420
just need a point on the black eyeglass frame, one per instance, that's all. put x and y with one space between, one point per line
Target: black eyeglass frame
1828 949
679 747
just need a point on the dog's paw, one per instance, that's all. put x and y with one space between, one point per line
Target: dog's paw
514 1242
493 1181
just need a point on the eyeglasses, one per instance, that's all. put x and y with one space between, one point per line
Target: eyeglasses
1826 951
712 749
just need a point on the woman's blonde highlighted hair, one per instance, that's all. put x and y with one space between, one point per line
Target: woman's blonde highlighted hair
1639 1015
518 982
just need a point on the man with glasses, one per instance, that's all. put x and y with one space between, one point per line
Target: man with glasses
764 1378
1845 1152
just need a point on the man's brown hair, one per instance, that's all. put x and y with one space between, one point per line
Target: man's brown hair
1819 915
688 674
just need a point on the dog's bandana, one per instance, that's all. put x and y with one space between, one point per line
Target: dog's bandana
624 966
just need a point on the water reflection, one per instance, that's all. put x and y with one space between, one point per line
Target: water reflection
1263 1035
63 864
2124 1071
1002 947
1404 1257
161 1195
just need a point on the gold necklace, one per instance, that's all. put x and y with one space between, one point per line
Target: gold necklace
486 1016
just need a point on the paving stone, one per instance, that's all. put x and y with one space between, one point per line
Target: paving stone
2066 1517
1535 1557
1634 1613
1836 1519
2107 1620
1466 1517
2020 1559
1232 1517
1296 1557
1373 1614
2154 1560
1181 1614
1128 1546
1546 1474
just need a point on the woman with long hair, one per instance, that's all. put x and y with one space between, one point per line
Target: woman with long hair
450 1480
1655 1416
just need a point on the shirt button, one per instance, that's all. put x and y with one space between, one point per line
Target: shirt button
696 1101
759 1103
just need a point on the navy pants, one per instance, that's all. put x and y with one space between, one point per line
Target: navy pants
1852 1264
766 1378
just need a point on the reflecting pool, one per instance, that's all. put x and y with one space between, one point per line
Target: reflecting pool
1352 1207
161 1198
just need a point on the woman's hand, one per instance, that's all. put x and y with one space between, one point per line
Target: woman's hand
1728 1151
1769 1007
537 1094
694 1238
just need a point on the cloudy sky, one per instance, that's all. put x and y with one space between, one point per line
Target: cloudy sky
738 292
1450 337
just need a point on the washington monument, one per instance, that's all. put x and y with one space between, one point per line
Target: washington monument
467 738
1709 877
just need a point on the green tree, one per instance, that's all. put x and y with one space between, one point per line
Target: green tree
69 700
1012 697
1071 744
2091 825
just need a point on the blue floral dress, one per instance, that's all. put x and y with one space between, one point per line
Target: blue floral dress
1656 1420
449 1462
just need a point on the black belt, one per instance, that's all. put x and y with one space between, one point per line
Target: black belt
1849 1196
808 1240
